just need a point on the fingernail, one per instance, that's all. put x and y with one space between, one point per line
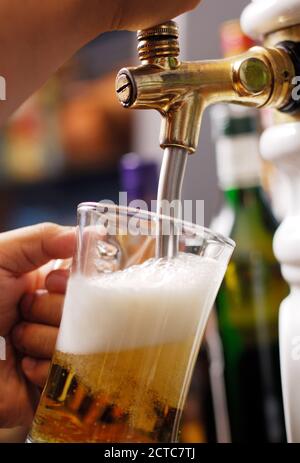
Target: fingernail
26 302
29 363
57 280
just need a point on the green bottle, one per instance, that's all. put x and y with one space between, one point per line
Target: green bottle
253 287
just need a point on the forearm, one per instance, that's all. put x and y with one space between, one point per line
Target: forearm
36 37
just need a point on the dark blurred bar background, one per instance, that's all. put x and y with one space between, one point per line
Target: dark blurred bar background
63 146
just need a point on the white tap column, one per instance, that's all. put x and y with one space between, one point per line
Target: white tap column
281 145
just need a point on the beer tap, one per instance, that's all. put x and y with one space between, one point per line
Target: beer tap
181 91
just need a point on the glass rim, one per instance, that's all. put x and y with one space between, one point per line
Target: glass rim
192 227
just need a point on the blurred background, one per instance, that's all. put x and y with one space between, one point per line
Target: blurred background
65 144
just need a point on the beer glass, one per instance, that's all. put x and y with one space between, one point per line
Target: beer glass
131 329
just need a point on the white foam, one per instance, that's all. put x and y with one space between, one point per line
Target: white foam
156 302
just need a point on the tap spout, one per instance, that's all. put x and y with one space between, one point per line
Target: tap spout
181 91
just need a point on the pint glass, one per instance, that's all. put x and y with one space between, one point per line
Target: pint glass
131 329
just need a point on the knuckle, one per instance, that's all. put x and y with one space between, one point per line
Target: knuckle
48 228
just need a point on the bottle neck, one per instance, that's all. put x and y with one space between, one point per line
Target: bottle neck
251 202
238 161
243 196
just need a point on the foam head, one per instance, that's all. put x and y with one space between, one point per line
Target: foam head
158 302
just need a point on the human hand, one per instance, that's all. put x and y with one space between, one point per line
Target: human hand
23 253
140 14
35 335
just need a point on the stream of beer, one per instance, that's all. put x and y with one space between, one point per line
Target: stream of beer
169 200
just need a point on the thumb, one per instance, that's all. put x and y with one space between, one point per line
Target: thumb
26 249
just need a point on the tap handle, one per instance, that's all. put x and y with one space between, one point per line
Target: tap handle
158 42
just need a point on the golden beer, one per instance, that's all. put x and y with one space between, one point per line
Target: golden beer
125 353
133 397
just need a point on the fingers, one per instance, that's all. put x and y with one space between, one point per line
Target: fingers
193 4
137 15
36 370
42 307
41 274
56 281
26 249
182 7
35 340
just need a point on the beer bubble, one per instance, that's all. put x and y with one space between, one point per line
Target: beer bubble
161 300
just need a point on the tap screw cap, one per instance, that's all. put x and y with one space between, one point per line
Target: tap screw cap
168 29
159 41
125 89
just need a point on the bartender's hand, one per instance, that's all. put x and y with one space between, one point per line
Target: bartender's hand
37 37
23 254
140 14
35 335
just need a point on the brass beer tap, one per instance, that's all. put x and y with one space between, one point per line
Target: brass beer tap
181 91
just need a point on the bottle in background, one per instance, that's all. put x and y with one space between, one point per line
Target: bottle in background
138 178
233 39
253 288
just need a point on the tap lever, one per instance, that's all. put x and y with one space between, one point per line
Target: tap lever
158 42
